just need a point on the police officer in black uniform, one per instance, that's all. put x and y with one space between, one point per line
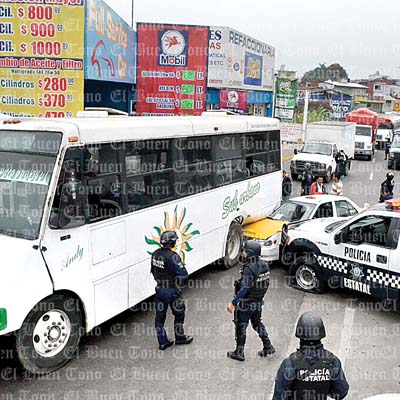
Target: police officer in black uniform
248 302
170 274
312 372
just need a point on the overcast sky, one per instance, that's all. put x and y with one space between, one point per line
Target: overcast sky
362 35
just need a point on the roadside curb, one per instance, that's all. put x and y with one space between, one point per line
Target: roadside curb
287 158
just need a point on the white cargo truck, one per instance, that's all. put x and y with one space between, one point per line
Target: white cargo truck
323 140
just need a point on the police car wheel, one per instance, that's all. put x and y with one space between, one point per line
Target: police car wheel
307 275
50 335
233 245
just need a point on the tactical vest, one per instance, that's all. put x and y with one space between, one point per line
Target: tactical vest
260 286
313 381
161 270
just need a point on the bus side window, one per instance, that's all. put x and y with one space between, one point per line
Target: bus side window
192 166
104 188
149 173
230 166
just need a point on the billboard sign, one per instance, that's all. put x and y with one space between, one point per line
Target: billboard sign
285 98
172 69
239 61
41 58
341 105
233 100
110 45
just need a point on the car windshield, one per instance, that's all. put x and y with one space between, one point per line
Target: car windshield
25 174
363 131
293 211
317 148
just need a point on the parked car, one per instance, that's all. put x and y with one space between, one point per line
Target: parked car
272 231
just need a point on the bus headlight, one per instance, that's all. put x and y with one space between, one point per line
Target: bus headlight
391 154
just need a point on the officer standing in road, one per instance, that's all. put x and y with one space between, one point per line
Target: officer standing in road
170 274
306 180
248 302
311 372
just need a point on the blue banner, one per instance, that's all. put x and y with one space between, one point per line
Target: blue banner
110 45
253 69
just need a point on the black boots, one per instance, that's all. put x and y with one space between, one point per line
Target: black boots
166 345
238 354
184 340
268 349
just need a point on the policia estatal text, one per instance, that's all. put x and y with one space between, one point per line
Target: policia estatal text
249 299
170 274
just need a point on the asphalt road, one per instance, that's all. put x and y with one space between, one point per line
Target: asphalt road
120 359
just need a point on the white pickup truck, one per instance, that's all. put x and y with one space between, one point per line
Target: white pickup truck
323 140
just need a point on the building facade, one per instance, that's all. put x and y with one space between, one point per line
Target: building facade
240 73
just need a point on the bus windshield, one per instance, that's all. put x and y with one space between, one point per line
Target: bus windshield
25 174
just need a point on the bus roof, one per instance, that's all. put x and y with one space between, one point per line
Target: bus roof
122 128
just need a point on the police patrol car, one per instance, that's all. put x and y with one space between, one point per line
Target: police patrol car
360 253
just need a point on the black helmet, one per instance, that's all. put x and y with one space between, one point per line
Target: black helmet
252 248
390 175
310 327
168 239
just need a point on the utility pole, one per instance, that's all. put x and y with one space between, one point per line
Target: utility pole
133 15
305 116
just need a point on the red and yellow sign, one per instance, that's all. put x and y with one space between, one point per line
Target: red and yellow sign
41 57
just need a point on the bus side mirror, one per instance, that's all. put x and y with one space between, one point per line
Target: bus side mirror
295 151
71 212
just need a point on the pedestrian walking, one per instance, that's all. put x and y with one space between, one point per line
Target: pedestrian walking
318 186
286 186
170 274
341 159
312 372
248 302
306 180
337 186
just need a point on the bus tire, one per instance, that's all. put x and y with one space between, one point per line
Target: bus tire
233 245
50 334
306 275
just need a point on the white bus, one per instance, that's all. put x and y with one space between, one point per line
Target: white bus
83 203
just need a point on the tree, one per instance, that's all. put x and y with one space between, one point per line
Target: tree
317 111
323 73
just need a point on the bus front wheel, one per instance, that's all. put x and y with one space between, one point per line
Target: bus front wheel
50 334
233 245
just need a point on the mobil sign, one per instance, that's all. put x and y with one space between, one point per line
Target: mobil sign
239 61
172 47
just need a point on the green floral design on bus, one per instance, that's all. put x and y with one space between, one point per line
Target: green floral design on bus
174 223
